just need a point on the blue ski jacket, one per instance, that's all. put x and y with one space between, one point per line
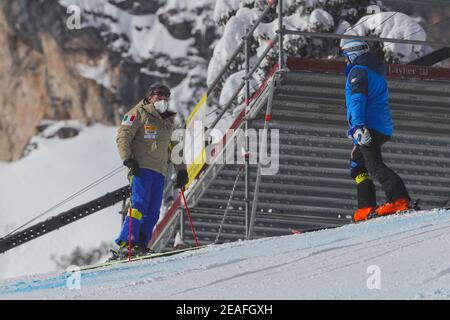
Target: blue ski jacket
366 95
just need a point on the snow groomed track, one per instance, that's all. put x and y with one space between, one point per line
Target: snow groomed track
395 257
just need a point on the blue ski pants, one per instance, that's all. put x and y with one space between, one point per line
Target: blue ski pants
147 188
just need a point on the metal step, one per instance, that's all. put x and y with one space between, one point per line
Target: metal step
339 189
339 132
275 206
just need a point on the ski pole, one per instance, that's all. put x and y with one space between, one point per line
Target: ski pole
190 218
130 218
130 221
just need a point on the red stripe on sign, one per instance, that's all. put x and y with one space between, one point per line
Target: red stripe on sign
394 70
132 118
267 117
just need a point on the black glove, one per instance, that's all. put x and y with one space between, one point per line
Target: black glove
132 165
182 179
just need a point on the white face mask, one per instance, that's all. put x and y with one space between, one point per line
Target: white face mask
161 106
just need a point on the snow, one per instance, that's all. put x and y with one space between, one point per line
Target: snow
140 36
178 240
321 18
98 73
184 5
394 25
373 9
56 170
236 26
183 92
157 40
223 9
231 85
232 37
395 257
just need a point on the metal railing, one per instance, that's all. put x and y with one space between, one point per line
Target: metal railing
365 38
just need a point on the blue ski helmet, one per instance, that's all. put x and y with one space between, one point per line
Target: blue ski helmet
352 49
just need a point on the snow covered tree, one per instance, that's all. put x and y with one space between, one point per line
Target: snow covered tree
357 17
394 25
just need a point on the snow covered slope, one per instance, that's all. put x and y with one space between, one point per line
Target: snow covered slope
396 257
57 169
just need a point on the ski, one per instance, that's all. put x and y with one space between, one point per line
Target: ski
140 258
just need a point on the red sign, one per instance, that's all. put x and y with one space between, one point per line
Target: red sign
394 70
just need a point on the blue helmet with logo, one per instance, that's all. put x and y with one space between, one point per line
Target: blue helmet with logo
352 48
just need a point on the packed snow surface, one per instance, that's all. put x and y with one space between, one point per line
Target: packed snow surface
395 257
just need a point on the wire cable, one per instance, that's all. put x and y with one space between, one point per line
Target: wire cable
73 196
368 19
427 26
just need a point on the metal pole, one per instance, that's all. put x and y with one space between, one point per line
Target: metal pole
228 205
227 105
280 35
365 38
263 146
263 56
182 225
246 153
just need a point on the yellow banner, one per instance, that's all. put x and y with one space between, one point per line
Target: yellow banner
200 104
195 151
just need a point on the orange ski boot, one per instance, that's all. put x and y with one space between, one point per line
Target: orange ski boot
395 206
363 214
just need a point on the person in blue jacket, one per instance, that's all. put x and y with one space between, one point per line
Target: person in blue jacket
371 125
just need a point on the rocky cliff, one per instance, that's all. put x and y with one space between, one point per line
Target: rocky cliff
96 72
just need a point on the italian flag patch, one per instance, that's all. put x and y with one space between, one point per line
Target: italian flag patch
128 120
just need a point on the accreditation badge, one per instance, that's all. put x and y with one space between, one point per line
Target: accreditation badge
150 131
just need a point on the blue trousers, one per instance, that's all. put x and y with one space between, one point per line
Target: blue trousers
147 188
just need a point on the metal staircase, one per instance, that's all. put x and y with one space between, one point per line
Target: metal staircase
313 188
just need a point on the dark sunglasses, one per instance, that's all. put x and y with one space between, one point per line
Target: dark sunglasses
161 94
